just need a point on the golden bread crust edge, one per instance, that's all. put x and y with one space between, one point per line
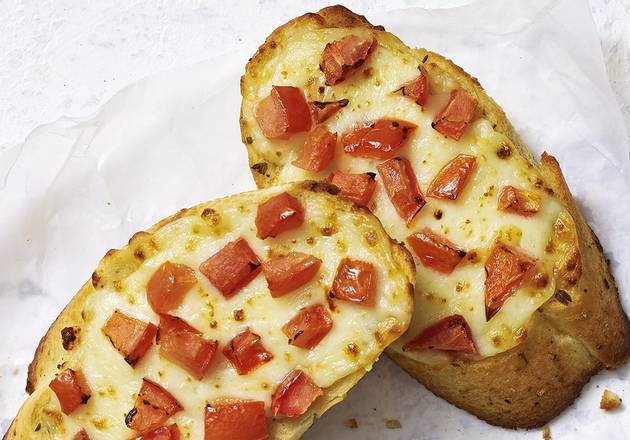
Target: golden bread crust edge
564 347
124 261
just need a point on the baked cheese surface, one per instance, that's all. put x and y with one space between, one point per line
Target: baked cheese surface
330 232
472 221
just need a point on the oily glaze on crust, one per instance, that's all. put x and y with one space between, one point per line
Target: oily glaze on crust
40 416
531 383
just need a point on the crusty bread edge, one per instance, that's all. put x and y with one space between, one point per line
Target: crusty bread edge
50 353
562 334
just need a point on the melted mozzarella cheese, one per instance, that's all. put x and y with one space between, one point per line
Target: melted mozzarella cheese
188 240
472 221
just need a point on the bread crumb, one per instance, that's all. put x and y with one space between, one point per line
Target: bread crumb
392 424
546 433
609 401
351 423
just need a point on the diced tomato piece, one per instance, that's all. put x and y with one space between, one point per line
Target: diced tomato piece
450 334
170 432
519 202
185 346
246 352
168 285
402 187
130 336
232 268
321 111
355 281
452 178
308 327
318 150
453 119
358 188
81 435
278 214
289 272
435 251
154 405
294 395
283 113
418 89
71 389
236 420
507 268
378 140
342 58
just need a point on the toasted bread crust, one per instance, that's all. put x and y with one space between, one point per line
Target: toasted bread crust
532 383
36 419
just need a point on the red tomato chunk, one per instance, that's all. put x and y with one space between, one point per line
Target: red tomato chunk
507 268
402 187
355 281
185 346
287 273
170 432
418 90
342 58
168 285
236 420
453 119
154 405
283 113
378 140
308 327
130 336
232 268
322 111
519 202
318 150
358 188
246 352
452 178
435 251
294 395
279 214
71 390
451 334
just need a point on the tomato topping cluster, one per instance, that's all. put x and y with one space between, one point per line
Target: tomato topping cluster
228 270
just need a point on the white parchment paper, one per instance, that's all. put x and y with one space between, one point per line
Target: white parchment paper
78 187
